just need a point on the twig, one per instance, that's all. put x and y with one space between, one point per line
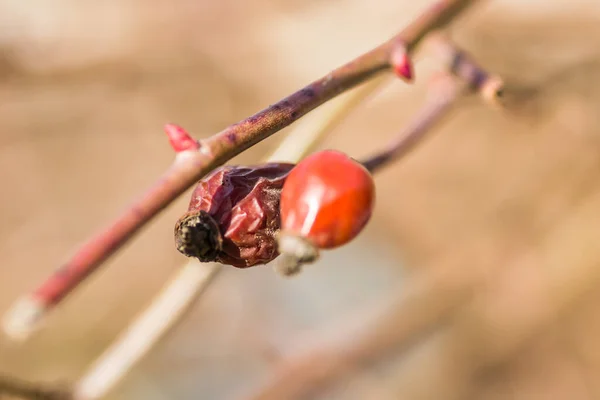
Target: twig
141 335
461 64
399 320
442 95
192 279
309 130
212 152
18 388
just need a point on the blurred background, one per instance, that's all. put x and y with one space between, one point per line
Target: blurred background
506 200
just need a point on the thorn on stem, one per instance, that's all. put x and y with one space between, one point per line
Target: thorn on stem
401 63
179 139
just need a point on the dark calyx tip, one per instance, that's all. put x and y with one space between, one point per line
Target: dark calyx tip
197 235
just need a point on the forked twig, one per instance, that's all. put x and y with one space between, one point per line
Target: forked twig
417 308
461 64
442 96
216 150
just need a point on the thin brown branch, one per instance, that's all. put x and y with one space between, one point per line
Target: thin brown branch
443 94
26 390
461 64
214 151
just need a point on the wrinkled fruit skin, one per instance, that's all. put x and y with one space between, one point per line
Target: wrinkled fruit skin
243 203
328 198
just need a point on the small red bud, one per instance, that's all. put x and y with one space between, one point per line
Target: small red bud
179 139
402 63
327 198
233 215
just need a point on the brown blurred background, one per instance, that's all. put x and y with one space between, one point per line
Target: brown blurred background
85 87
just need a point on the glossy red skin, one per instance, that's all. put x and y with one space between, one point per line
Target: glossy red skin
244 202
336 190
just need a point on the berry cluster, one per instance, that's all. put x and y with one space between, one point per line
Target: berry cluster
245 216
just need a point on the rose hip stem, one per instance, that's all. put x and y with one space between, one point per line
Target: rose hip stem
215 151
443 94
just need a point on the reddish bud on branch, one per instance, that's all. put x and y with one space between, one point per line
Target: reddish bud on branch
401 63
179 139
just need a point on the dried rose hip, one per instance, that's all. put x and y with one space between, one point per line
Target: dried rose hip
233 215
326 201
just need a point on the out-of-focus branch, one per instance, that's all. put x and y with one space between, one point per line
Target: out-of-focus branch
461 64
418 308
18 388
442 96
214 151
144 332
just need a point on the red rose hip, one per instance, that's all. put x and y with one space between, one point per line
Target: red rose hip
326 201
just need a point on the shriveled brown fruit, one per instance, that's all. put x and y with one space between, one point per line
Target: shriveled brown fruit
233 215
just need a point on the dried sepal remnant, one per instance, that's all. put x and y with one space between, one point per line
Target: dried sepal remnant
198 235
233 215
